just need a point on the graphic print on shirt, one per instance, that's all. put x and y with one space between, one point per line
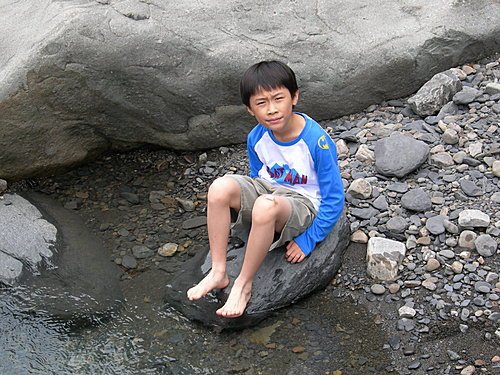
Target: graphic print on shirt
286 175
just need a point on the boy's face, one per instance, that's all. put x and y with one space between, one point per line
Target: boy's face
273 108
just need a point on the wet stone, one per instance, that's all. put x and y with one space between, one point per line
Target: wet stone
406 325
128 261
141 252
398 187
414 365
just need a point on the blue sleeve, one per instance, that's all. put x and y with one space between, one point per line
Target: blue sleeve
332 198
254 162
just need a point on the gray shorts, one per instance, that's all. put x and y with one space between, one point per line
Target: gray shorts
303 211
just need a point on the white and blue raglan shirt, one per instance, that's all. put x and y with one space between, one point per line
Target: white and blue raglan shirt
307 165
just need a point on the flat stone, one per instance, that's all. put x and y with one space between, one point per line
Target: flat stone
416 200
363 213
482 287
381 203
473 219
195 222
470 188
359 237
492 88
466 95
168 250
442 160
141 251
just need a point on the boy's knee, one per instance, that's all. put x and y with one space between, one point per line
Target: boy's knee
265 208
223 188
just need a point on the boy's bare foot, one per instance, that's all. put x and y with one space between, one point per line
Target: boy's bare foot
210 282
236 302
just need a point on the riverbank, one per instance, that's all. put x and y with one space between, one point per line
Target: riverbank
140 201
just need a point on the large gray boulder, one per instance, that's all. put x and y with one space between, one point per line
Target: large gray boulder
277 284
78 78
63 268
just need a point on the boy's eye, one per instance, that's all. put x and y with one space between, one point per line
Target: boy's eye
260 103
279 98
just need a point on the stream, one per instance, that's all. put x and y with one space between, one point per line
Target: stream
146 337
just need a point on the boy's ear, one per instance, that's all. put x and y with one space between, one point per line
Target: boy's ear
250 111
295 98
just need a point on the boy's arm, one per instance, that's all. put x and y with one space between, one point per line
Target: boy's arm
254 162
332 201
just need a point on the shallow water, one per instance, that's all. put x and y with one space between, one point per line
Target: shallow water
37 344
147 338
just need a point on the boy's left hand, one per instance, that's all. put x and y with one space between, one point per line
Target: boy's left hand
293 253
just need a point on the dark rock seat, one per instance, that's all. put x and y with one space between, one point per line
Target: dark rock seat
276 285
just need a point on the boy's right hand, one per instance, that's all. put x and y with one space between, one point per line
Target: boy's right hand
293 253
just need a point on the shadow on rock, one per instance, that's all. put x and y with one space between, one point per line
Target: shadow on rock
277 284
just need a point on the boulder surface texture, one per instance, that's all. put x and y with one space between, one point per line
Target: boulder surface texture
70 277
277 284
78 78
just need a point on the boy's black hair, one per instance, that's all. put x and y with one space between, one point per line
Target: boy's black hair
267 75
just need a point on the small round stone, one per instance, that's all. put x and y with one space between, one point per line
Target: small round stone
377 289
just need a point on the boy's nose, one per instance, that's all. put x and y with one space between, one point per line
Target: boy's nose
271 108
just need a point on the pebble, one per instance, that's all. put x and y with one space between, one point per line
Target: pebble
485 245
377 289
168 250
432 265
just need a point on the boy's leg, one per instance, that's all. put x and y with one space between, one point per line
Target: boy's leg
269 215
223 194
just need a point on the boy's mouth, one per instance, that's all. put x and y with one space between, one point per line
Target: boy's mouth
274 120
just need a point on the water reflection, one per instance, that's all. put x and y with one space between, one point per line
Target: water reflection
38 344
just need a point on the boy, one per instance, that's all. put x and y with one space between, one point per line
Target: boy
294 189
